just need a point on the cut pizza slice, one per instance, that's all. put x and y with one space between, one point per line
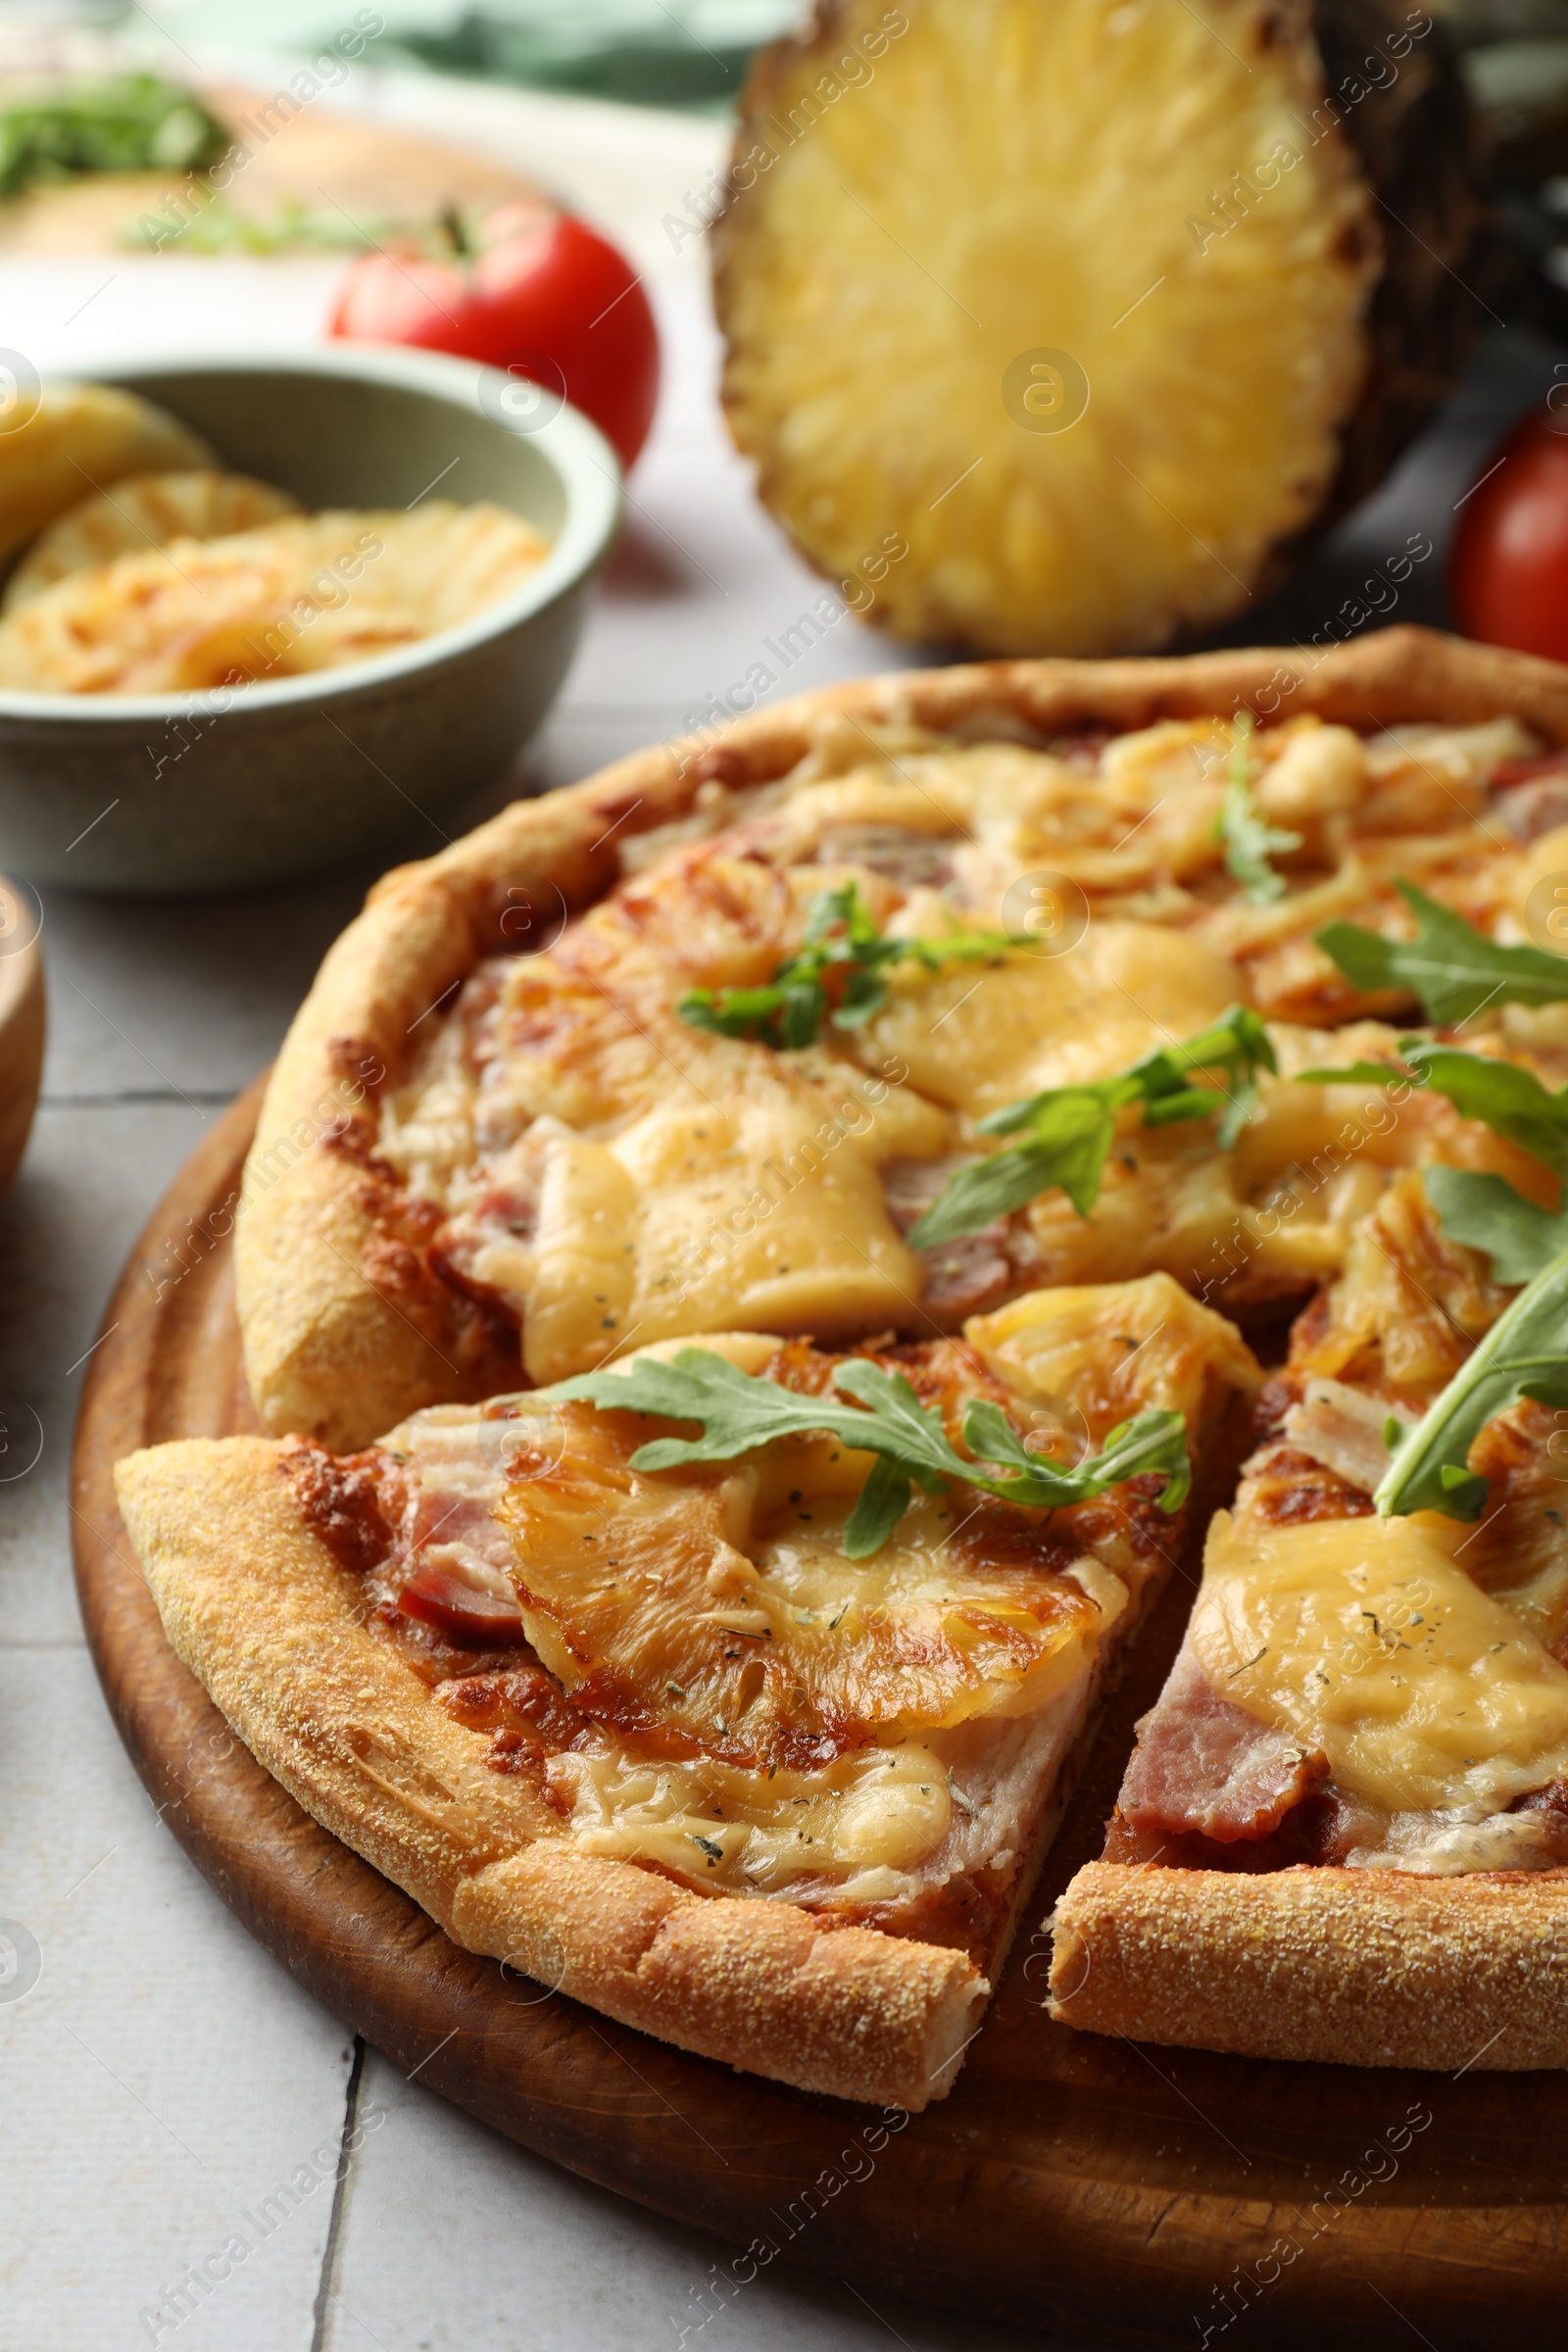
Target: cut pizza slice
698 1708
1344 1832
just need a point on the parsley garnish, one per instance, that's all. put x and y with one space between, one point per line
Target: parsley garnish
839 974
1249 842
1454 968
739 1411
1504 1096
1072 1128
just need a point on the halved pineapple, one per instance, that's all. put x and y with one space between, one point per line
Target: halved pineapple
1088 306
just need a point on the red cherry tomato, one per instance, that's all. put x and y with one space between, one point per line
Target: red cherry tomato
438 1598
1509 574
528 289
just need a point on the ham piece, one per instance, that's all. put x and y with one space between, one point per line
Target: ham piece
1204 1766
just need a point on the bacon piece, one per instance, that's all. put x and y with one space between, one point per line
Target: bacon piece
1318 1833
965 1276
527 1713
472 1616
459 1556
1533 794
1287 1487
1342 1428
1204 1765
1532 810
896 852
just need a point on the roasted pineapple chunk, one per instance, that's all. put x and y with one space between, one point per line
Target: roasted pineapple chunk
1095 305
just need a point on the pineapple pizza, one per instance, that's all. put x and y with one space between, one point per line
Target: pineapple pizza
758 1268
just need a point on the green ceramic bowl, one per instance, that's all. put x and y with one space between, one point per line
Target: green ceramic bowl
260 783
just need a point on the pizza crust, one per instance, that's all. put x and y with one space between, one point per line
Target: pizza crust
330 1350
270 1623
1347 1967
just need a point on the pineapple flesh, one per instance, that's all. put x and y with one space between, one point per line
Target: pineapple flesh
1072 298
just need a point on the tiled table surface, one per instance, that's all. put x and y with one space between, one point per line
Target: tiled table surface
160 2078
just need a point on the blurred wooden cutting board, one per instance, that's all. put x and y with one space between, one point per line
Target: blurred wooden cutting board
316 159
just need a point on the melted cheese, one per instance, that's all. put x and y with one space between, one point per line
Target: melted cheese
885 1825
618 1176
1364 1638
975 1040
882 1809
762 1208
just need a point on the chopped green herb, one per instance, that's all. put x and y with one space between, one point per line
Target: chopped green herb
839 974
709 1845
1072 1128
1250 843
210 223
131 123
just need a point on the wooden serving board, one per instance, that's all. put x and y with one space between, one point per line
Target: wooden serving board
331 163
1079 2185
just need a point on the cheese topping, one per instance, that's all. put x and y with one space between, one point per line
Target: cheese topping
615 1175
762 1207
1365 1639
881 1810
974 1041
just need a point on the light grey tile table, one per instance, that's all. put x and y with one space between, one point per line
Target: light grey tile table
163 2082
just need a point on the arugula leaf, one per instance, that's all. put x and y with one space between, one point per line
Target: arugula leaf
839 974
1486 1213
1509 1100
739 1411
1249 842
1072 1128
1454 968
1506 1098
879 1506
1523 1354
1151 1442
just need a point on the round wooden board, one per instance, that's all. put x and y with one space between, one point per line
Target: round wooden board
1082 2186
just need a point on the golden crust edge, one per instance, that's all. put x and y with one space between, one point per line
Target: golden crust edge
329 1354
1343 1967
266 1619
